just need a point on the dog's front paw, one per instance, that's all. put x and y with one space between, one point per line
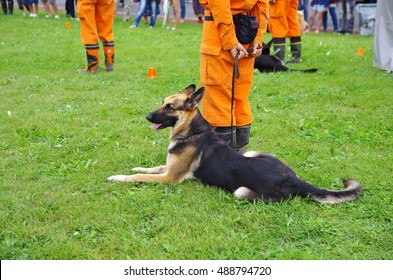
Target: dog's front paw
117 178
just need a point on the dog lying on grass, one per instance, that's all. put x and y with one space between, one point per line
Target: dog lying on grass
267 63
195 152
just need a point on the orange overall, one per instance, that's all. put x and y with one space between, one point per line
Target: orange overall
283 21
218 37
96 20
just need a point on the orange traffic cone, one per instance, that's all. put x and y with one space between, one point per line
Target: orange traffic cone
360 52
152 73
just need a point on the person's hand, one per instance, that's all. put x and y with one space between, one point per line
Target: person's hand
254 50
239 49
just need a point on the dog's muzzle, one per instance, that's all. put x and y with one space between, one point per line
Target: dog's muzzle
159 122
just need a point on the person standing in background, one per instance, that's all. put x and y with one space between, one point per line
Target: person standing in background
199 10
219 48
47 8
333 15
383 36
304 6
318 8
182 10
127 10
22 7
70 8
283 24
175 4
347 17
32 6
142 8
96 20
7 9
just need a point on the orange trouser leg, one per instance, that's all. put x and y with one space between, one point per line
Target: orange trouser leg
86 13
278 24
216 77
283 20
105 15
293 23
96 20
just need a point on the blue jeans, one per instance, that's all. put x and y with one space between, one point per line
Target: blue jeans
141 9
182 9
303 5
333 14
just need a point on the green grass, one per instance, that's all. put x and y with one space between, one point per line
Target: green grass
63 133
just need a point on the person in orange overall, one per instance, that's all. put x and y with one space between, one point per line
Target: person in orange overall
96 20
218 50
283 24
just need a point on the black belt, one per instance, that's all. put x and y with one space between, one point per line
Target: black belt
210 18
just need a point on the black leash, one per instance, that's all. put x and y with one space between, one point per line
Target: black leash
235 74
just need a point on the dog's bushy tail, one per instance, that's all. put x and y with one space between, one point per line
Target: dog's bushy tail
351 192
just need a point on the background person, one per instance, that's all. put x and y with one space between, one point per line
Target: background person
47 8
7 6
347 16
96 20
152 4
175 4
199 10
70 8
383 36
283 24
333 15
318 9
304 6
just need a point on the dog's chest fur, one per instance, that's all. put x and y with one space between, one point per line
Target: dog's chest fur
183 159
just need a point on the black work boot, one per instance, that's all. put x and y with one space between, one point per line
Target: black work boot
296 50
242 138
228 134
279 48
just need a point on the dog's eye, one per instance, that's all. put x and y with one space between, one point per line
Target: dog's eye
168 107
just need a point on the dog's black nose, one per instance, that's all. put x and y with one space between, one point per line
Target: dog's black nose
149 117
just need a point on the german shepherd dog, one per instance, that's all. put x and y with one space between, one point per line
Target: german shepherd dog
267 63
195 152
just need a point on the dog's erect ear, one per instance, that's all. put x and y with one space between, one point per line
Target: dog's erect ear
266 47
190 89
194 99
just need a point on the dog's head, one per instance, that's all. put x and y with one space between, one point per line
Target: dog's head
176 108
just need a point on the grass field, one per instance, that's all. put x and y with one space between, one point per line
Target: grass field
63 133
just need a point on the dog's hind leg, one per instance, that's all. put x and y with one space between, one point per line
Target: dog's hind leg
243 193
153 170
